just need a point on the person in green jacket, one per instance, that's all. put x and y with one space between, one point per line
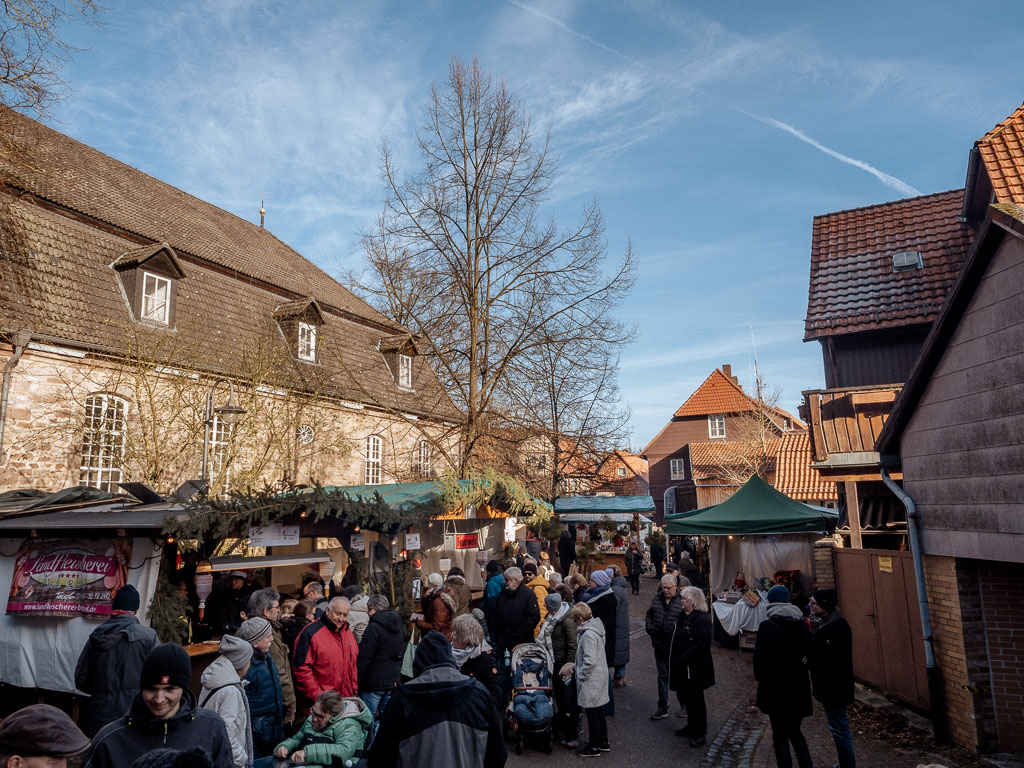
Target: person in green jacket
335 729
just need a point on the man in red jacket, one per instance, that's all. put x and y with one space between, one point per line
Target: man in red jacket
325 656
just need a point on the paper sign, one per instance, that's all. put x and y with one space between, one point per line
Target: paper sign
274 535
357 542
417 588
885 564
412 541
510 530
467 541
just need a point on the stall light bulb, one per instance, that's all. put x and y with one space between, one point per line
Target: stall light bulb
356 529
170 539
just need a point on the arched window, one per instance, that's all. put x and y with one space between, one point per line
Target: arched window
373 448
103 441
424 458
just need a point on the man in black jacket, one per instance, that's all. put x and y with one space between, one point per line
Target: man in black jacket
379 665
831 662
660 623
566 553
439 718
111 662
515 616
780 668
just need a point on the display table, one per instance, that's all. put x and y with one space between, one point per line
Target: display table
202 655
741 616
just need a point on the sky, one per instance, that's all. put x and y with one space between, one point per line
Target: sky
709 133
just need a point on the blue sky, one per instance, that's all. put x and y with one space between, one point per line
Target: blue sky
710 133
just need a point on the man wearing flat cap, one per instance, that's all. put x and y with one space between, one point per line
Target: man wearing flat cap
39 736
111 662
163 715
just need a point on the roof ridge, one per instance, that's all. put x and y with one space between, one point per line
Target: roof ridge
900 201
999 127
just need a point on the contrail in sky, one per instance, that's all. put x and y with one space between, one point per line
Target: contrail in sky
573 32
889 181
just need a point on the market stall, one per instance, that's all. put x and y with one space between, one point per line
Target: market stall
627 513
755 535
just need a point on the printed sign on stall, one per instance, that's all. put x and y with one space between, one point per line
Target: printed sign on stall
412 541
357 543
467 541
68 577
274 535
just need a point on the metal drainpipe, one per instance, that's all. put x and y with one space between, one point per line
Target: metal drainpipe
19 342
935 694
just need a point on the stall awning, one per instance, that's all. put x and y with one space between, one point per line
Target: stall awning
603 506
267 561
756 508
593 517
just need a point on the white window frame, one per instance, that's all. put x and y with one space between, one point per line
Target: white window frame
371 470
220 450
620 471
307 341
677 469
716 425
405 371
424 458
152 312
103 441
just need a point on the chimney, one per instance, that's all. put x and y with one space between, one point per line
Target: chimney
727 370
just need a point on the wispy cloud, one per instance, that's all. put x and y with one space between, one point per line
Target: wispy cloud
574 33
890 181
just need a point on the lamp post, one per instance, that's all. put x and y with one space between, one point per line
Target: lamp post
228 413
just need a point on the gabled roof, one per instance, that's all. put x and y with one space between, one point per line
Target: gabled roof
136 257
1002 151
635 464
398 342
299 307
853 286
70 174
794 475
711 459
718 394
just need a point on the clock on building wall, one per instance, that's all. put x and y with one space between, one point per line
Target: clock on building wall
305 434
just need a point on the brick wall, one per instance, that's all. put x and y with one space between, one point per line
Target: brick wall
824 563
1002 585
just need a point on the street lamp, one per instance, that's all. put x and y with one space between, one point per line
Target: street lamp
228 413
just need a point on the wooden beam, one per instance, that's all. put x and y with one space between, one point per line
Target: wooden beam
817 436
853 514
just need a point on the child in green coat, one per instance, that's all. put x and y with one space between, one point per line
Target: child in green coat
335 729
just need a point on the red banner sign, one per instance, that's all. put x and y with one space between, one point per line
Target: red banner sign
467 541
68 577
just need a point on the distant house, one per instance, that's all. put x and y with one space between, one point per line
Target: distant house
621 473
956 432
879 276
718 411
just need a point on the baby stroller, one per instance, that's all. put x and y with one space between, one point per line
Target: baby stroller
530 712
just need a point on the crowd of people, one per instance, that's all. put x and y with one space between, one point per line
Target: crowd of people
331 680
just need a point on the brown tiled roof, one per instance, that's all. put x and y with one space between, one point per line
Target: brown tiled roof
709 459
635 464
80 178
397 343
853 287
61 286
718 394
794 475
298 307
1002 150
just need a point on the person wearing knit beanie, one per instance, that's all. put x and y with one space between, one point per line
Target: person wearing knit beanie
237 651
167 664
126 599
601 578
778 594
254 630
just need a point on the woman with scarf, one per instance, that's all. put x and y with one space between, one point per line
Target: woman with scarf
439 606
692 670
473 656
558 635
601 599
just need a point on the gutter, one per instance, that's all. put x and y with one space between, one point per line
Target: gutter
19 341
935 696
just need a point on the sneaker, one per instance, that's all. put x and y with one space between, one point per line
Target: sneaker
589 752
606 747
570 744
661 714
700 741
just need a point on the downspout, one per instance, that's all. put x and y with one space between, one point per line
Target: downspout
19 341
935 694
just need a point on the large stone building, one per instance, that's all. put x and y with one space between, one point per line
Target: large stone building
126 305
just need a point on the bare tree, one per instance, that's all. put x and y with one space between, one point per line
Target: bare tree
461 257
752 448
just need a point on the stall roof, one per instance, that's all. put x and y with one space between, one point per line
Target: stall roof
240 562
756 508
594 517
405 496
116 514
602 505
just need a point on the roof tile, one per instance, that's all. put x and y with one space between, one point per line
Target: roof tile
1002 150
794 475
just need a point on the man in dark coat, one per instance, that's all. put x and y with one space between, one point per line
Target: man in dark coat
660 624
381 650
780 668
440 717
634 566
831 663
693 669
222 612
515 616
566 553
111 662
657 557
163 715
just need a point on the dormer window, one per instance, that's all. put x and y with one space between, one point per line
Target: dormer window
307 342
156 298
149 279
300 323
405 371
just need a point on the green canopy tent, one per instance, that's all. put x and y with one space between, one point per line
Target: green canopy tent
757 531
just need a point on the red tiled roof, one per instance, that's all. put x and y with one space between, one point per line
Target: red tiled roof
794 475
718 394
635 464
1002 150
709 459
853 286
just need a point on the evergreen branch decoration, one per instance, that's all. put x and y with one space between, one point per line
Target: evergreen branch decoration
496 490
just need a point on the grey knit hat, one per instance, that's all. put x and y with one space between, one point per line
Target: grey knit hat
236 650
253 630
553 602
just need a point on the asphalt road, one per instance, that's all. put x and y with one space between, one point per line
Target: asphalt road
639 742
